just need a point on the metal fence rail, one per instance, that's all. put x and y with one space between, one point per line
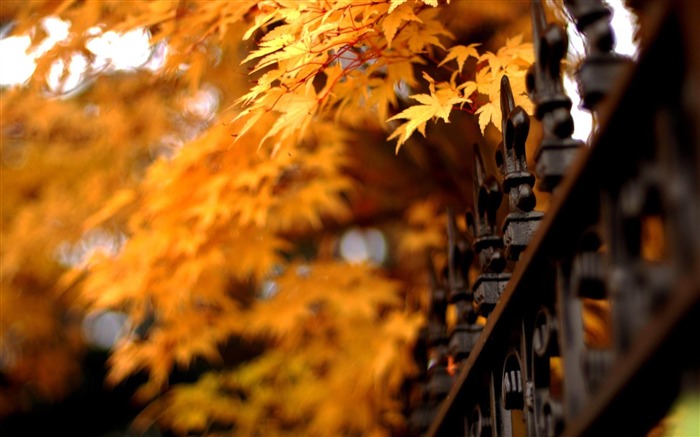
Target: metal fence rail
621 237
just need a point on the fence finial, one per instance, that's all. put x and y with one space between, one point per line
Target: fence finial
511 159
488 244
601 67
552 105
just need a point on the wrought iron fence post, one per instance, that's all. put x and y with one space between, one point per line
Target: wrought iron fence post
521 222
434 381
421 409
487 243
439 381
600 69
552 106
460 255
571 341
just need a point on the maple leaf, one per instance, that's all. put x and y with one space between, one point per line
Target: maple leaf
512 60
392 22
461 53
393 4
269 46
428 32
396 3
438 104
489 113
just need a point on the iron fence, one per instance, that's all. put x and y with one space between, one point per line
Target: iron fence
619 244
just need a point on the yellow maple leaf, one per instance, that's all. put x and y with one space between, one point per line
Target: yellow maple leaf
393 4
512 60
438 104
390 24
428 32
461 53
490 112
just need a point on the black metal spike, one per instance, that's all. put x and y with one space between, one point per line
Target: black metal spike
488 244
552 105
521 222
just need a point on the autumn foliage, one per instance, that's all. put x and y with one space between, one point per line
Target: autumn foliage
207 225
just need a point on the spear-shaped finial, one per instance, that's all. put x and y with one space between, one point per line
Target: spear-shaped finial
552 106
511 158
487 197
487 244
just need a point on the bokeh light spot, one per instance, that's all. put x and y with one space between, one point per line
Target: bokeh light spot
357 246
104 329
